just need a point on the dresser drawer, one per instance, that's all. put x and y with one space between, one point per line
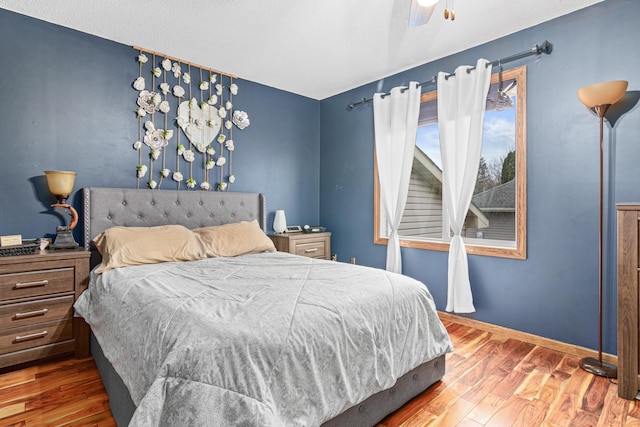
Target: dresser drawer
35 283
314 249
33 312
37 335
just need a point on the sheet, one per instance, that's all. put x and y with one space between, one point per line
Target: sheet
268 339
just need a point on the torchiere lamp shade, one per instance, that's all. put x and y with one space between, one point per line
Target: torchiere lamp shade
605 93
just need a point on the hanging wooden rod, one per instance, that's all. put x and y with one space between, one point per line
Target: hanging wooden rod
544 47
181 61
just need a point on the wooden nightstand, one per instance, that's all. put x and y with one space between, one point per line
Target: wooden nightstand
37 293
312 245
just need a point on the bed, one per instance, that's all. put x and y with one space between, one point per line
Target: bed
297 371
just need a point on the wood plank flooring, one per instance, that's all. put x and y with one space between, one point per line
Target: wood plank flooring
491 380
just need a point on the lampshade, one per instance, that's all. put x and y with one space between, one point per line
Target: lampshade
605 93
60 182
279 222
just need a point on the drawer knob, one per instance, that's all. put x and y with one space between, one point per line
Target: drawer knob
30 336
34 313
31 284
311 250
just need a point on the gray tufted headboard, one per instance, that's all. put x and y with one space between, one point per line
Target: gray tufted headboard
108 207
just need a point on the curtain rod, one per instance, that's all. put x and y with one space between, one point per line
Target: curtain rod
544 47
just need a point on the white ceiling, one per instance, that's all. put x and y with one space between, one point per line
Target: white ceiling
312 48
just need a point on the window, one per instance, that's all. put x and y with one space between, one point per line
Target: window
496 221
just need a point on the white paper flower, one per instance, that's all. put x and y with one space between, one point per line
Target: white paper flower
205 185
211 151
232 179
221 161
164 172
177 176
219 89
156 72
149 101
222 186
204 86
140 112
180 150
176 70
138 84
166 64
228 124
193 104
154 154
233 89
137 145
212 78
189 156
178 91
164 88
221 138
152 184
148 125
228 105
142 58
222 112
164 107
167 134
191 183
187 78
155 140
141 171
229 145
212 100
201 146
210 164
241 119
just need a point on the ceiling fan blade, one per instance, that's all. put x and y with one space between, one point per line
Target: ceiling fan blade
419 15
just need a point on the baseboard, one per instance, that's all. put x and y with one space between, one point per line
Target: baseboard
574 350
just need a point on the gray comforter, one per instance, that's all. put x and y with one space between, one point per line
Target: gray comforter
265 339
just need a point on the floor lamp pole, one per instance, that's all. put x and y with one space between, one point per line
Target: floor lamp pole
589 364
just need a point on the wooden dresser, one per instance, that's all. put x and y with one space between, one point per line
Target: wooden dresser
37 293
312 245
628 297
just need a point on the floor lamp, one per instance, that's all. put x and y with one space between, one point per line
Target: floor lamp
599 97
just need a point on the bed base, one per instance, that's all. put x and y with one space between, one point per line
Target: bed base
364 414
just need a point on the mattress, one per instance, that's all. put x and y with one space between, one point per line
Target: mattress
259 339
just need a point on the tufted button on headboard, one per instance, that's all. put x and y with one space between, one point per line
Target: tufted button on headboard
108 207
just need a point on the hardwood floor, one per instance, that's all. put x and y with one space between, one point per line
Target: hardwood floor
491 380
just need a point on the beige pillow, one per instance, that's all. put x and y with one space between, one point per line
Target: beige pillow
125 246
234 239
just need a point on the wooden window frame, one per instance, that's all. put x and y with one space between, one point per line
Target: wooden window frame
520 249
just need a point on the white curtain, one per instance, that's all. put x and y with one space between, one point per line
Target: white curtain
395 123
461 107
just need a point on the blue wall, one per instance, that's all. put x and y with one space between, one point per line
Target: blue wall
66 103
554 292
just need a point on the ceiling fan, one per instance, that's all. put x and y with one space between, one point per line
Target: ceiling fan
421 11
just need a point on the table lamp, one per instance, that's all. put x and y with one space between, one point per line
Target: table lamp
60 185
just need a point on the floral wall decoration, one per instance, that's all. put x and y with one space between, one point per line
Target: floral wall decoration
186 119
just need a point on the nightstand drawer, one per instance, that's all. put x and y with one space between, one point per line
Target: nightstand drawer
312 245
33 312
37 335
310 249
35 283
